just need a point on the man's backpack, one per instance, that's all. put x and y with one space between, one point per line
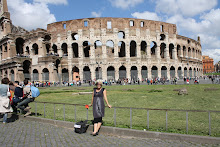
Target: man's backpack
81 127
34 92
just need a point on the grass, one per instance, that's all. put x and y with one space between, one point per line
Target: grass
200 97
210 74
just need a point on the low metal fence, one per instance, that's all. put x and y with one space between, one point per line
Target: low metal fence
85 113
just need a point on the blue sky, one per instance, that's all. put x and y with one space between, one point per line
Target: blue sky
193 17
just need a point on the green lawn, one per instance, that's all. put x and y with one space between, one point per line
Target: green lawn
153 96
209 74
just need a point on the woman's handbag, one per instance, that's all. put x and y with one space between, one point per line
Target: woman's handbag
8 92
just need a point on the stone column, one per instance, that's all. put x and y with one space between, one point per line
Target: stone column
81 53
176 72
149 72
59 50
92 69
104 51
182 71
128 72
168 73
116 50
159 71
92 51
127 50
138 49
186 52
139 73
157 52
116 73
166 54
175 53
181 52
104 73
81 76
148 50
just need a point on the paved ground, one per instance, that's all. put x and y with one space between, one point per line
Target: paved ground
29 133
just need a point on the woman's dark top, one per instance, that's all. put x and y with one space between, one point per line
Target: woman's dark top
98 104
18 92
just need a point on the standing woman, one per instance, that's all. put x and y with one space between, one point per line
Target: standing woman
98 106
5 106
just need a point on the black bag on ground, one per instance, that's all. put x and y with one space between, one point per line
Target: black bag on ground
81 127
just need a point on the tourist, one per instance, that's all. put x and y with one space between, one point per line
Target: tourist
27 99
5 106
98 106
18 96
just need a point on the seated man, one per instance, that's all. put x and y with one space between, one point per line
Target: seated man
28 98
18 96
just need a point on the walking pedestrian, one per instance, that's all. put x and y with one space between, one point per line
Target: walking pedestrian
99 94
5 106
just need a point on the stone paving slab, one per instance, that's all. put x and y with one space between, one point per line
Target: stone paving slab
22 133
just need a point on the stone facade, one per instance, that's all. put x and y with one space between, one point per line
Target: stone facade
97 48
208 64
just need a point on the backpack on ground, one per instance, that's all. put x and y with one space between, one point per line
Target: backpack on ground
34 92
81 127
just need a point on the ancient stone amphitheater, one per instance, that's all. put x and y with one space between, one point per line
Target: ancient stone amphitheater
97 48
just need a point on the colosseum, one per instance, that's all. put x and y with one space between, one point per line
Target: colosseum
97 48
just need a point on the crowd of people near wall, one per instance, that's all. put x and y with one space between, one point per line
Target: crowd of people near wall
154 81
15 98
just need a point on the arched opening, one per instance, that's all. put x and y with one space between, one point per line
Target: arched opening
86 73
110 48
45 74
154 72
98 73
143 48
180 72
195 74
122 72
35 49
190 72
12 75
64 49
121 48
98 48
121 35
86 48
184 51
162 37
164 72
162 50
57 64
26 69
47 48
144 72
171 48
75 36
172 72
47 38
75 74
54 47
193 53
65 75
35 75
19 46
178 50
75 50
185 72
189 52
133 49
111 73
153 47
134 73
28 50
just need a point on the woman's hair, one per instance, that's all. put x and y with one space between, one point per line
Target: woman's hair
98 82
5 81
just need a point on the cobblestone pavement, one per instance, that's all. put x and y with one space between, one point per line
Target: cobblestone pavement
29 133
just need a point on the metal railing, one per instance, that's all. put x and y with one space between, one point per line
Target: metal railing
131 110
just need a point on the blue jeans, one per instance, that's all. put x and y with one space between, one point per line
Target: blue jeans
5 116
22 105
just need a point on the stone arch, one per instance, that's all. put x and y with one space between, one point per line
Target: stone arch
134 73
162 37
27 50
75 36
144 72
110 73
12 75
75 73
154 72
179 72
178 50
35 75
19 46
64 48
65 75
110 48
172 72
121 35
98 48
184 51
35 48
171 49
163 72
98 73
122 72
190 72
162 50
133 49
54 47
45 74
185 72
86 74
75 49
121 48
47 38
189 52
143 47
47 48
86 49
26 69
195 73
153 46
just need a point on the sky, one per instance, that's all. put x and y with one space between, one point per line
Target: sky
193 17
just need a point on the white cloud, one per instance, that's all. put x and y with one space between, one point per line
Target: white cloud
96 14
213 53
52 1
30 15
146 15
184 7
125 4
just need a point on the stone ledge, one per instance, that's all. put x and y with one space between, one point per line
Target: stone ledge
131 133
